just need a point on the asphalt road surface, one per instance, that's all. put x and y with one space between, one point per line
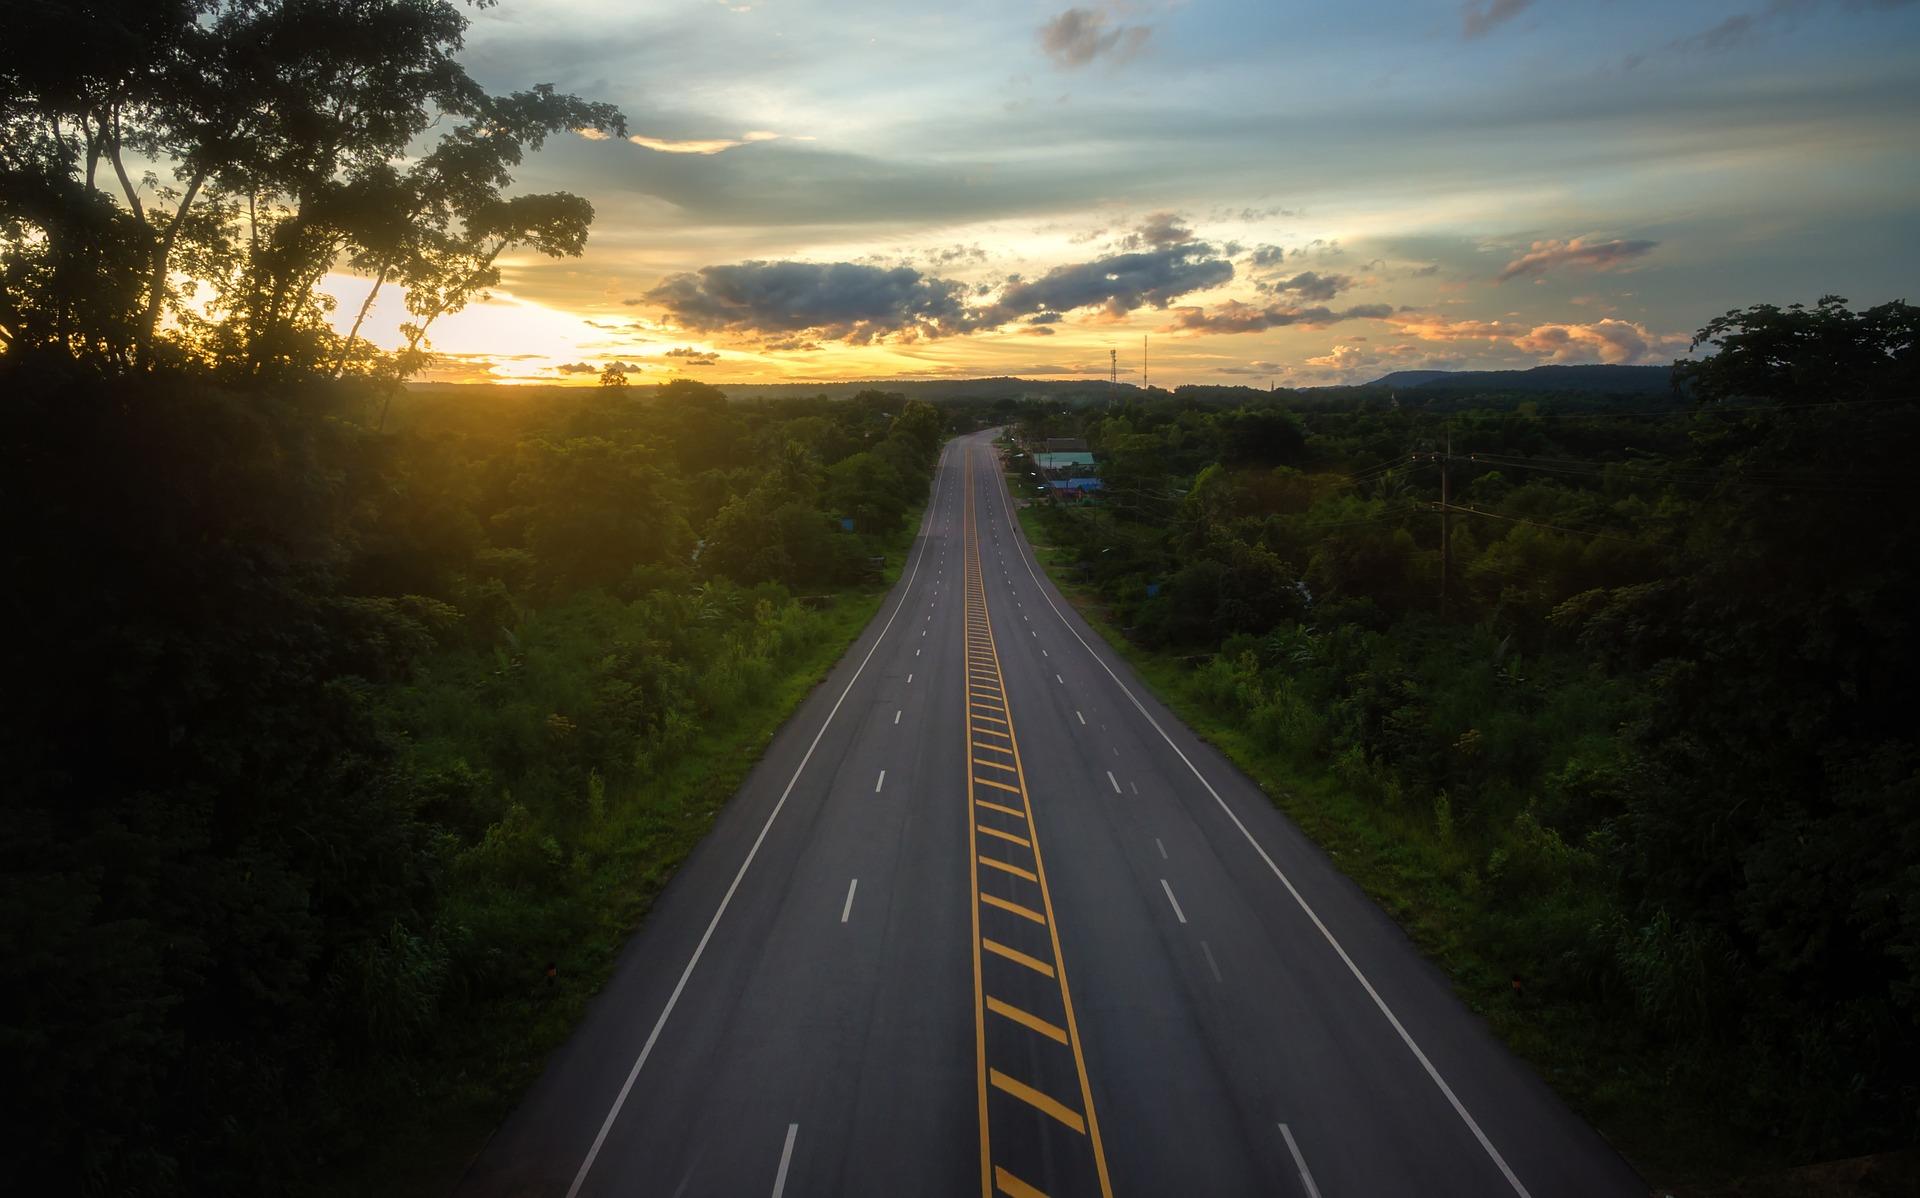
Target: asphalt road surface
988 919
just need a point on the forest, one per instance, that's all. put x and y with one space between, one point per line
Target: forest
350 725
1615 718
349 728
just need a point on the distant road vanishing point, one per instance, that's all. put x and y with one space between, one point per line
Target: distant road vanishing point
988 919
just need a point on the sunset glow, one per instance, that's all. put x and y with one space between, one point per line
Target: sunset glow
1270 193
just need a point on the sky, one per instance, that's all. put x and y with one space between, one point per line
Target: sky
1268 192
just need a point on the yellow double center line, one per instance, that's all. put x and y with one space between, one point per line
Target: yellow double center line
999 810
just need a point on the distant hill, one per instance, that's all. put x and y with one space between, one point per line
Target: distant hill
1417 378
927 389
1612 380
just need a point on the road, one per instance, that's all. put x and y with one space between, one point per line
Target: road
987 918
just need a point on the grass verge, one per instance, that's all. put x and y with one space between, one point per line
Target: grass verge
1427 886
434 1118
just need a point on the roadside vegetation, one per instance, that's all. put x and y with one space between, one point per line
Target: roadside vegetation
348 728
1644 781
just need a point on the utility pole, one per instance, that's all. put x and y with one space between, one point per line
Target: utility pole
1113 376
1446 516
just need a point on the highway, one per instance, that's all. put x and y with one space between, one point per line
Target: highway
987 919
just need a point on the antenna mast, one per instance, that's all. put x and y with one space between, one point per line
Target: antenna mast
1113 375
1143 362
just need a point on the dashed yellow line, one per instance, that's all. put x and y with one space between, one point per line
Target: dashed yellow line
1012 1186
1016 956
1007 868
1022 841
1037 1100
1027 1019
994 900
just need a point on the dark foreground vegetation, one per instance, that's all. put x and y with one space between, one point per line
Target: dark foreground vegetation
1643 769
346 730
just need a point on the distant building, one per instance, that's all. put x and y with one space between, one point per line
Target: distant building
1059 465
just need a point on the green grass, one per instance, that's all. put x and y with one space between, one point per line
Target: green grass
1430 886
433 1120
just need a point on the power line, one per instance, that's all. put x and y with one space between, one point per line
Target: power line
1584 532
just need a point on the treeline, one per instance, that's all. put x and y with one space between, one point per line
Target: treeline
1645 772
324 743
335 714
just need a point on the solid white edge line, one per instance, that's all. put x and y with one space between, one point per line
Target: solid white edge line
653 1037
1026 555
1178 913
786 1159
848 908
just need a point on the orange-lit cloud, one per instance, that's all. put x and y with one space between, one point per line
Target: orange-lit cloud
1596 255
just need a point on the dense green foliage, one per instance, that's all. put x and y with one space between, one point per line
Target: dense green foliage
1657 740
319 738
324 741
298 136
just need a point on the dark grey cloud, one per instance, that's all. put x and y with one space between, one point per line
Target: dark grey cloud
1309 285
1236 317
1599 255
860 303
578 368
835 301
1159 229
690 356
1743 27
1079 35
1117 284
957 253
1478 17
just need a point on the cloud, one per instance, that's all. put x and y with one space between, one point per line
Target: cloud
1117 284
1617 342
693 145
1744 27
957 253
1599 255
861 303
1308 285
1479 17
829 301
1236 317
693 357
1159 229
577 368
1079 35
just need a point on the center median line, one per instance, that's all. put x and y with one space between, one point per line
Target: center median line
680 986
997 792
